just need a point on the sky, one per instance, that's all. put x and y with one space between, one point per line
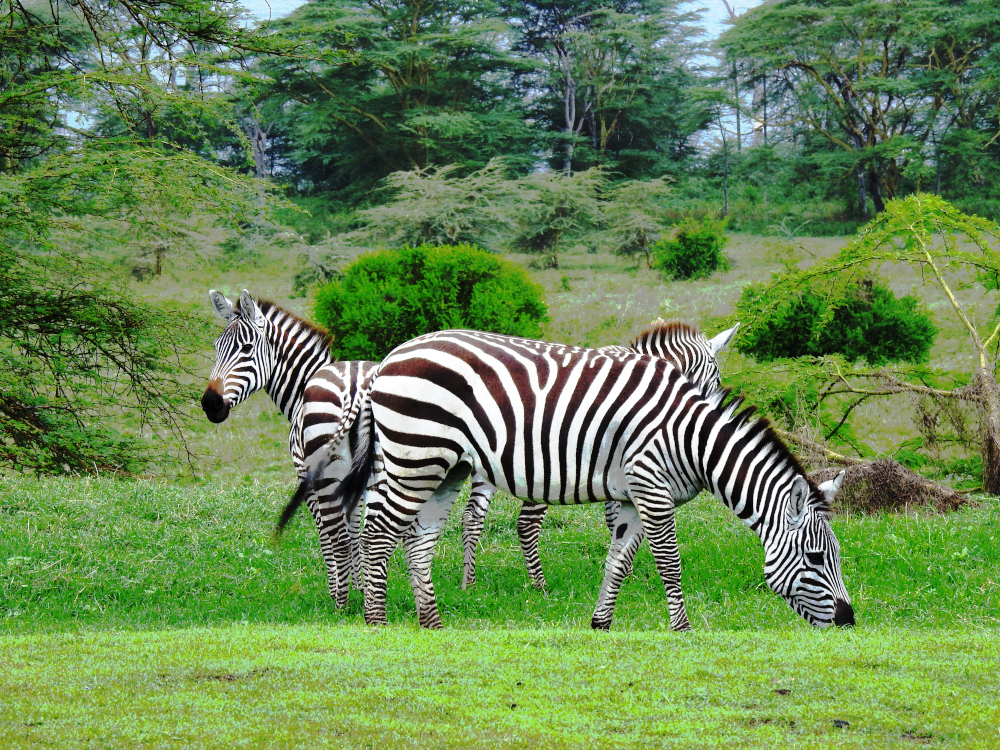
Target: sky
715 10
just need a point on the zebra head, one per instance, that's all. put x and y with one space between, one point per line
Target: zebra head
802 562
243 360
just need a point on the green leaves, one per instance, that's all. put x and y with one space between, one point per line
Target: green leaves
389 297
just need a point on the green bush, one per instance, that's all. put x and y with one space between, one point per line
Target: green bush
388 297
868 323
694 251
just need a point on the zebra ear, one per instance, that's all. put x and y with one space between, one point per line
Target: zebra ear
249 309
797 498
831 487
721 341
222 306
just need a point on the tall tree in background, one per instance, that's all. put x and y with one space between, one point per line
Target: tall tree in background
878 80
425 84
613 78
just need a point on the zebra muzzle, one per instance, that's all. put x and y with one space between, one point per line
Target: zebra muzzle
843 614
214 406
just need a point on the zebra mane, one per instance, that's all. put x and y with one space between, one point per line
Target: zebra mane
664 330
276 313
748 425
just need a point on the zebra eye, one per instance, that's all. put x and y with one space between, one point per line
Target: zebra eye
246 348
815 558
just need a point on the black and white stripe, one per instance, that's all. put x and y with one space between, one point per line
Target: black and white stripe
266 347
676 342
558 424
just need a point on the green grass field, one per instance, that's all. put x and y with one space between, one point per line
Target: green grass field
157 612
153 614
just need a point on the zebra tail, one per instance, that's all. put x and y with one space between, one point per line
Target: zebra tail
352 487
305 487
364 456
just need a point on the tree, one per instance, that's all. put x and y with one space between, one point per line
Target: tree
419 84
613 77
86 370
878 80
956 253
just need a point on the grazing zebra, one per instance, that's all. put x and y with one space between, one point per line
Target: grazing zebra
264 346
560 425
675 341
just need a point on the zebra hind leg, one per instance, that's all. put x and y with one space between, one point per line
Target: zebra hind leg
529 526
473 520
611 510
626 536
419 541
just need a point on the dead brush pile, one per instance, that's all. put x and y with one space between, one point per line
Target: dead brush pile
885 485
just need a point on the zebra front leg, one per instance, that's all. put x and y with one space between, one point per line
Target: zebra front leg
529 526
626 536
611 509
661 528
473 520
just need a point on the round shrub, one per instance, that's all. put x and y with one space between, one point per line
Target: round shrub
869 323
390 296
694 251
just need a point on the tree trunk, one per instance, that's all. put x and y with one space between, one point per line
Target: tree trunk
862 198
874 191
736 95
990 393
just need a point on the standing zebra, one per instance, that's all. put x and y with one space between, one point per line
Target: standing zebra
264 346
559 424
675 341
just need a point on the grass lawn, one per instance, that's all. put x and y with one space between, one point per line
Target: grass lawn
152 614
352 687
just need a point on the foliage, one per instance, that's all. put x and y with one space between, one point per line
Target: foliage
416 85
439 207
612 84
89 158
634 212
877 81
86 370
958 255
555 210
388 297
868 323
694 251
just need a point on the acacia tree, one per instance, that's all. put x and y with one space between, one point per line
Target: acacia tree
86 370
878 80
612 76
957 255
419 84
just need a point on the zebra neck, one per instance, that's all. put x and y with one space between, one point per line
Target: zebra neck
746 469
297 351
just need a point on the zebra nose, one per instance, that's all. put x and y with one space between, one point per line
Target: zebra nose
214 406
843 613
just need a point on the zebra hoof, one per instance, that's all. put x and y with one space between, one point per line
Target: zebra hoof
600 624
376 619
538 584
432 624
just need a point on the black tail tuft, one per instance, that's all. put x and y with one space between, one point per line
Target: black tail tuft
305 487
352 487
